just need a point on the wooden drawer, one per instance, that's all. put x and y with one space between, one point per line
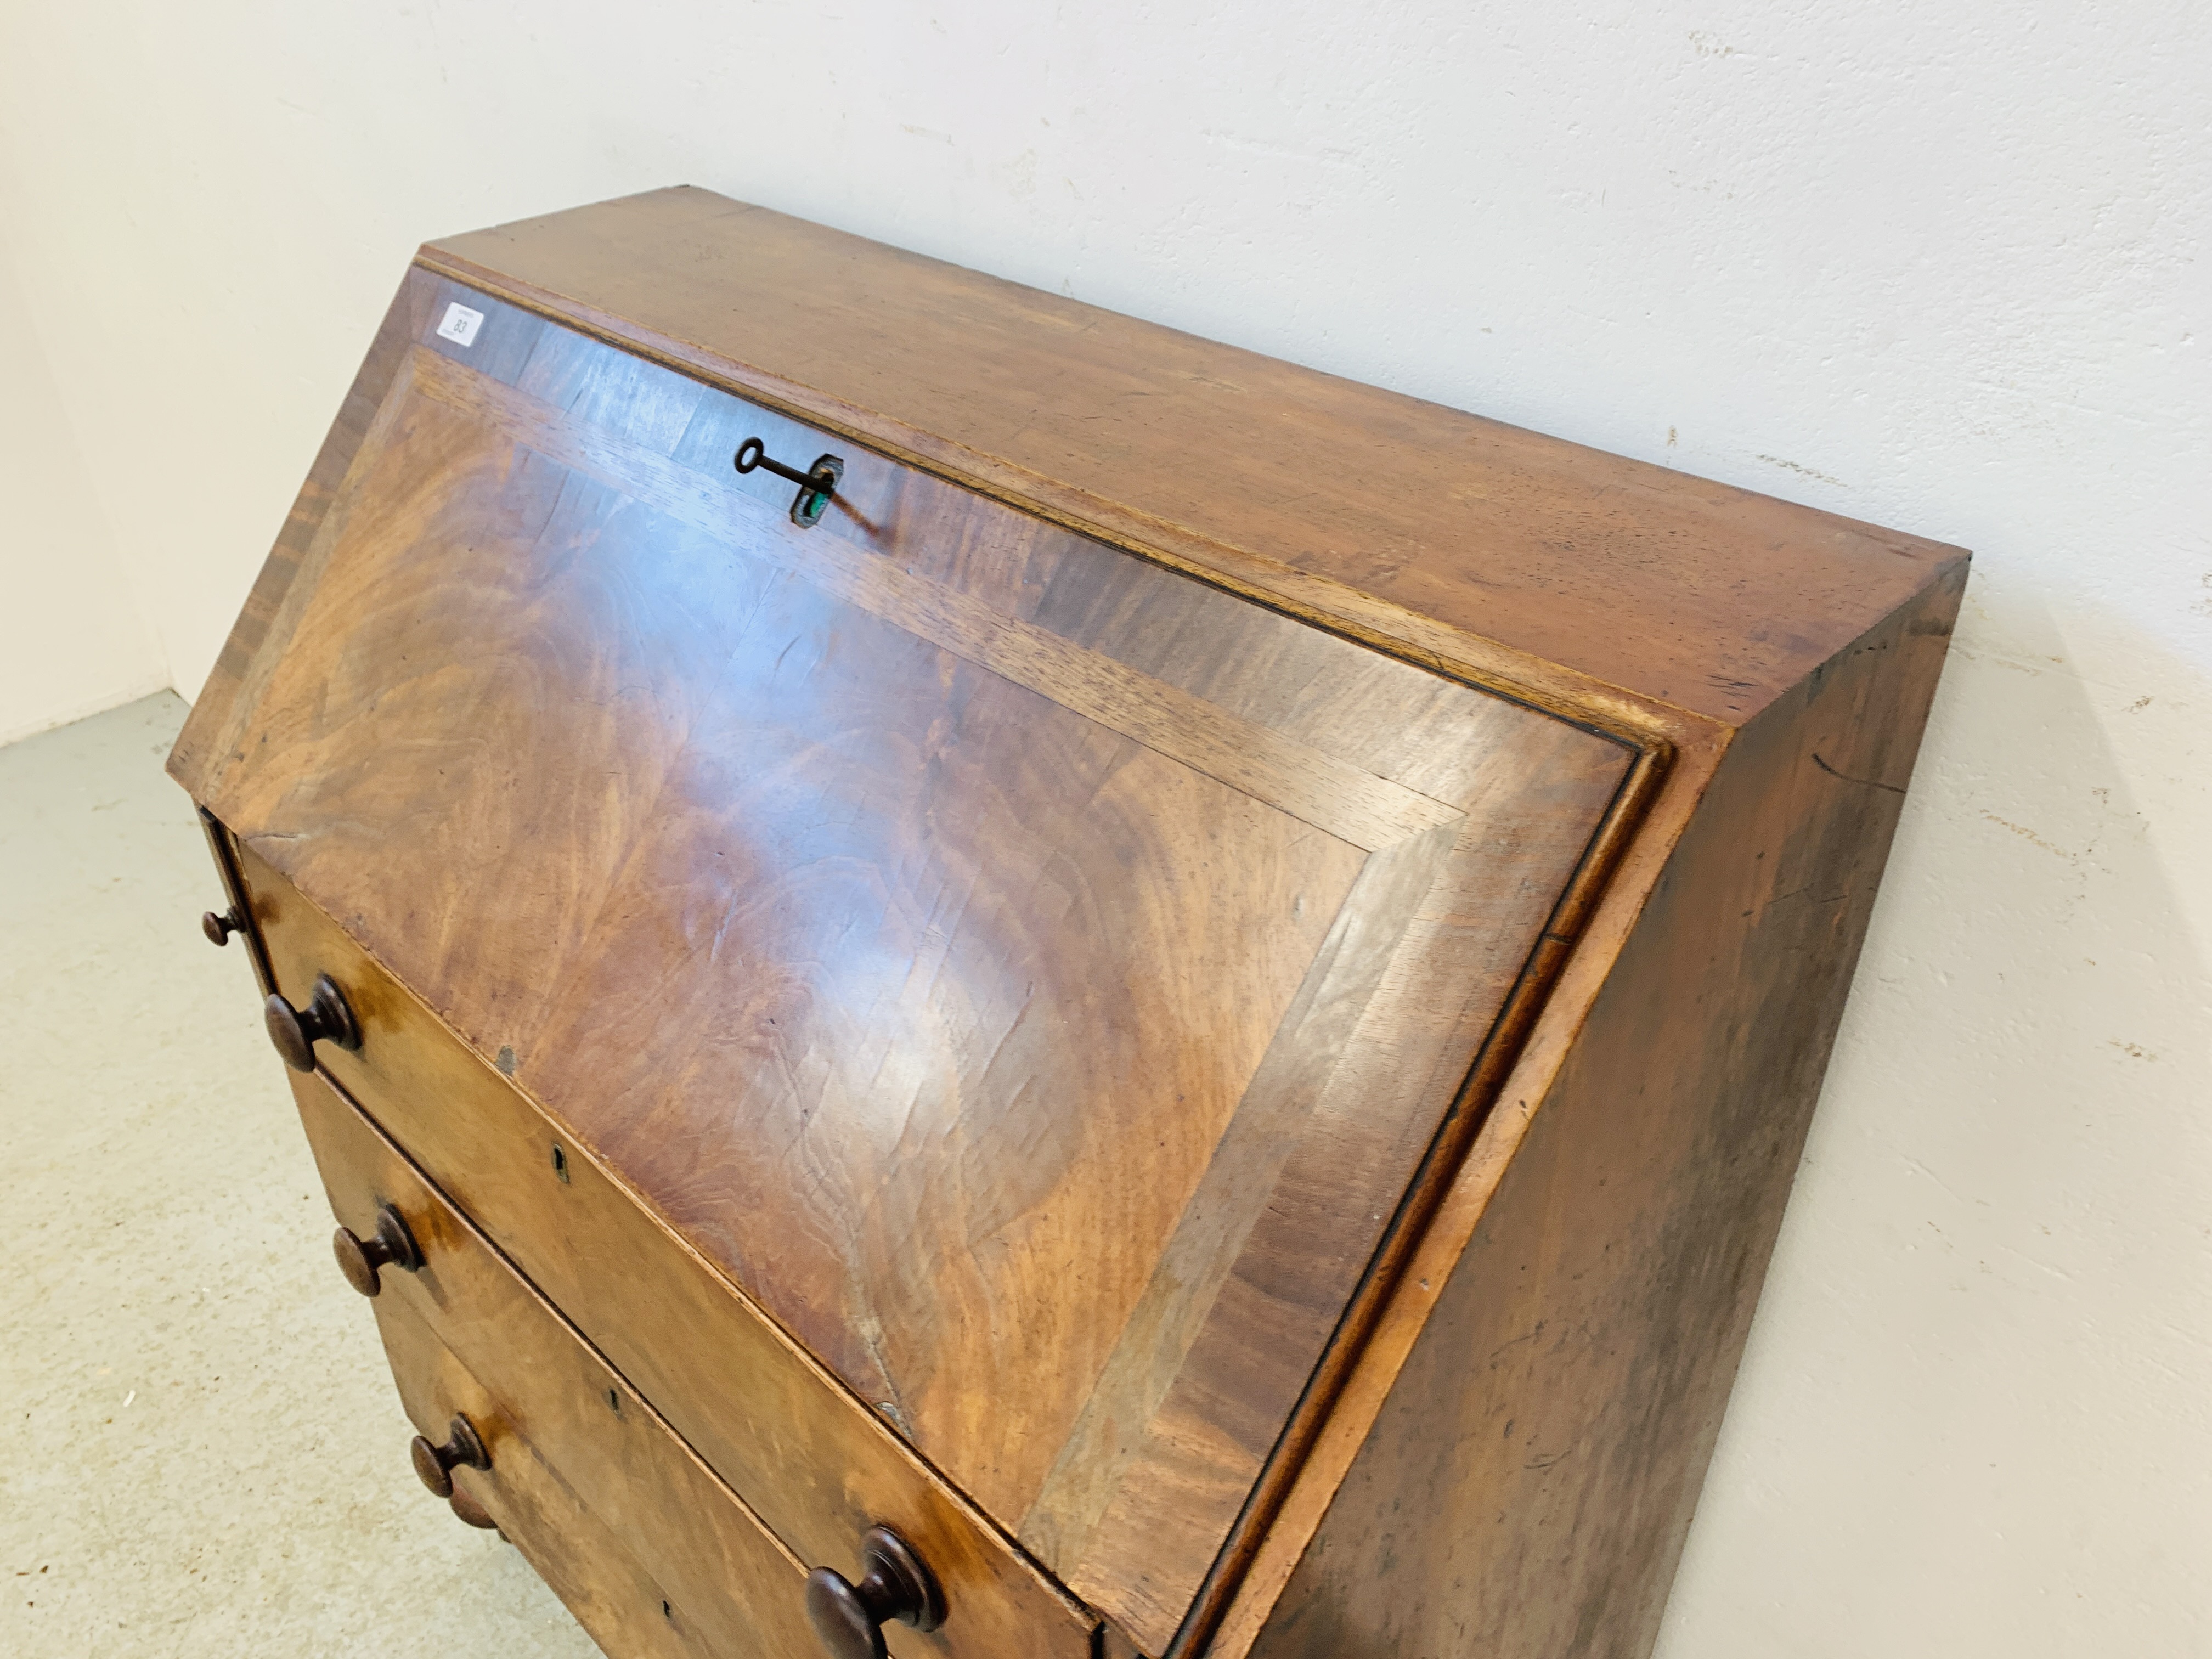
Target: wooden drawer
651 1552
612 1594
817 1466
636 1534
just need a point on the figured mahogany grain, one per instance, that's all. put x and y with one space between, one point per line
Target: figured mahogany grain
551 1400
815 1464
1032 974
274 585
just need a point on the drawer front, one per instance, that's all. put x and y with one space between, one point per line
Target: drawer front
818 1467
652 1551
613 1595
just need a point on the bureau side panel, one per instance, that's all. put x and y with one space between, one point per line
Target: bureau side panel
1527 1489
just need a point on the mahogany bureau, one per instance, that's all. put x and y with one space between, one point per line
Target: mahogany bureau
976 979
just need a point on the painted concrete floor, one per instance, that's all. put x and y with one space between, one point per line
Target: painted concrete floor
201 1453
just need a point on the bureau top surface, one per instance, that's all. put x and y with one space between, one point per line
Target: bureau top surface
1415 517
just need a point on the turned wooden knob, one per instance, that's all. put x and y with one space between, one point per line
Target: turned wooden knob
475 1514
850 1618
360 1259
219 929
435 1464
327 1017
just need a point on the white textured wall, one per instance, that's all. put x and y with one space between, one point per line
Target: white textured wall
1940 265
71 640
